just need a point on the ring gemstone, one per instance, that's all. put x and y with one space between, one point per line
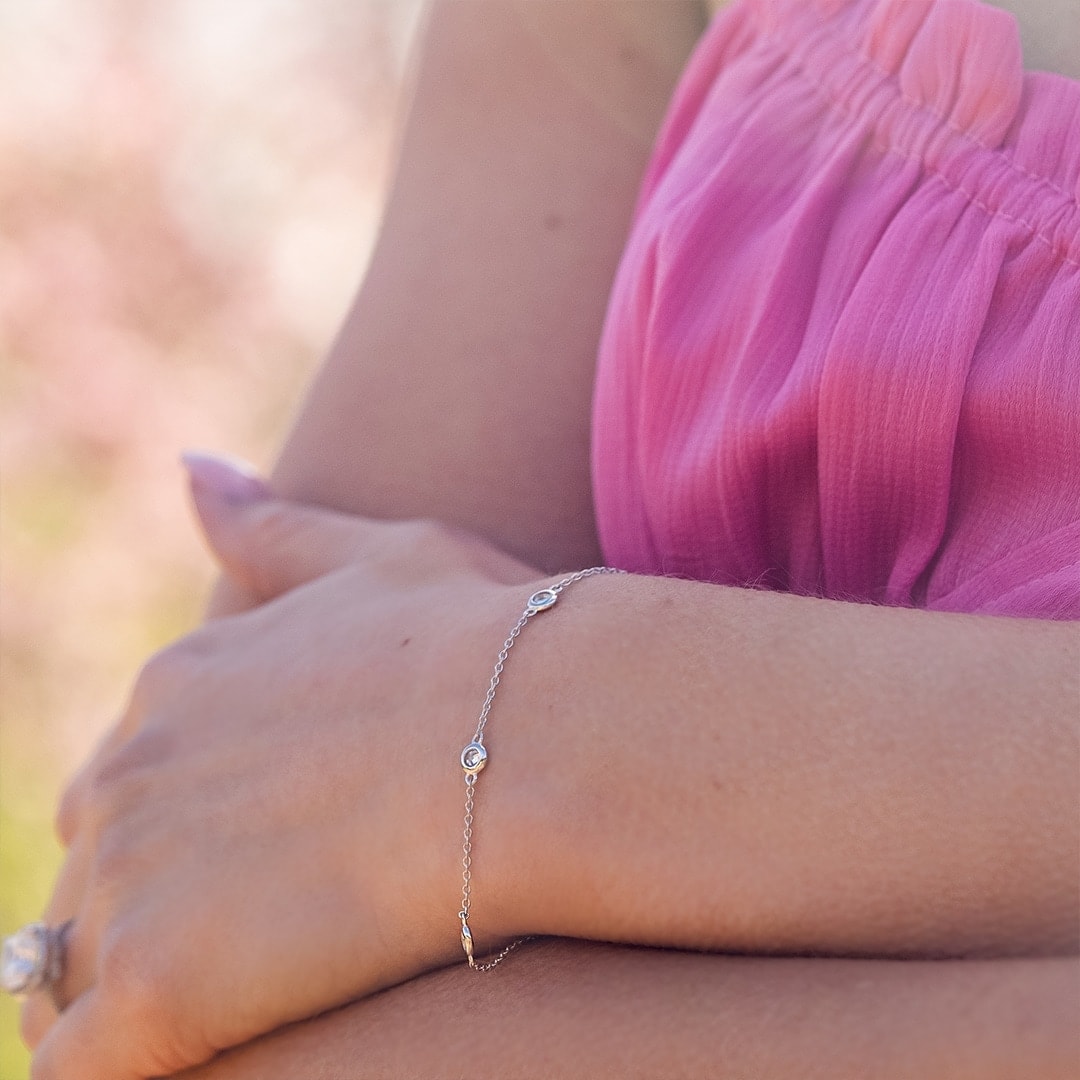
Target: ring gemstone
24 962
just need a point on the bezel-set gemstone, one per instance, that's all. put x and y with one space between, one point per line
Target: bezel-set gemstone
542 600
474 758
24 960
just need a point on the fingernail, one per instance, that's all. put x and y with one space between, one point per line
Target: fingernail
230 479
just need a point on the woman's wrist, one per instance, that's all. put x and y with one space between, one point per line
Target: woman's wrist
470 629
669 764
544 741
509 888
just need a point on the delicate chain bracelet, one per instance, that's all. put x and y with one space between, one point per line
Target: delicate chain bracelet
475 756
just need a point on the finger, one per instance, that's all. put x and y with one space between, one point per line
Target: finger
37 1015
73 903
229 598
69 812
92 1042
268 545
40 1010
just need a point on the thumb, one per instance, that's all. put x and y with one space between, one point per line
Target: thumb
268 545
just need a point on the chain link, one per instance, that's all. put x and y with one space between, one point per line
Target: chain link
474 757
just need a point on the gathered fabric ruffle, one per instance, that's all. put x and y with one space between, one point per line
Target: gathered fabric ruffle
842 353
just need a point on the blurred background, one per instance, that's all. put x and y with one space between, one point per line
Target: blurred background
188 196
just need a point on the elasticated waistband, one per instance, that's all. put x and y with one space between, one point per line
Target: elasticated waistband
943 82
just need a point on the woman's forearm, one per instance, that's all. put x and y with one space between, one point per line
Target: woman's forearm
680 764
569 1009
460 385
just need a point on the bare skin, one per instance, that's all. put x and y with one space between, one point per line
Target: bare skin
453 441
564 1009
482 418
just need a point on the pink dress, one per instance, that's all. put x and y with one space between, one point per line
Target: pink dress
842 354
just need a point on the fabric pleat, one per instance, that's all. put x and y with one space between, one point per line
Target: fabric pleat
842 352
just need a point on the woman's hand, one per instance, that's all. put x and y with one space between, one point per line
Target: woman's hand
274 827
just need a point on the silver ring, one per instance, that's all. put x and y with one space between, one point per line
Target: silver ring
33 958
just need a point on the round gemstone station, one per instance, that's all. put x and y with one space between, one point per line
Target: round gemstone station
474 758
542 600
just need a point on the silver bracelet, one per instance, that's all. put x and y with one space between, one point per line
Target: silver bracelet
475 756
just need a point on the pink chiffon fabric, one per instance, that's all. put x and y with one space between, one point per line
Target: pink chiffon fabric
842 352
